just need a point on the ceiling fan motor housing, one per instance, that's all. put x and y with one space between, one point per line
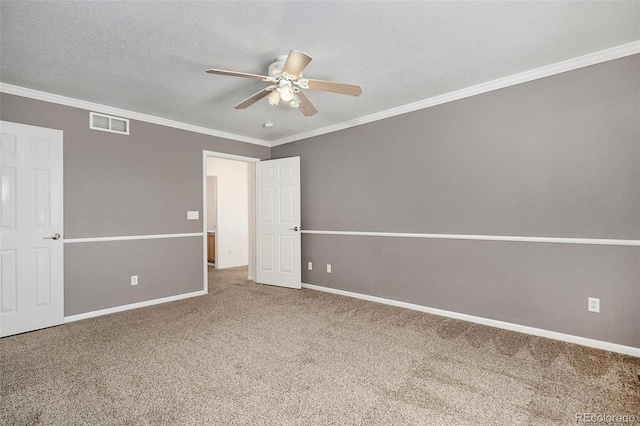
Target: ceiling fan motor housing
275 69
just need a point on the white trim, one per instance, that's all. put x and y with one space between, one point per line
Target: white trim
137 305
90 106
610 54
129 238
556 240
226 156
205 219
523 77
598 344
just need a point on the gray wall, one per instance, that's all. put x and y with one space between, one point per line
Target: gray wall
555 157
116 185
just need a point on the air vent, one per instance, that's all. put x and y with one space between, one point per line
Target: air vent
108 123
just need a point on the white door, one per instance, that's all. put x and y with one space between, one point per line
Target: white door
278 222
31 249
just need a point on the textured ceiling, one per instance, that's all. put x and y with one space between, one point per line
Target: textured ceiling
150 57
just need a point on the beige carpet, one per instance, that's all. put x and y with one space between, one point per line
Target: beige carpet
257 355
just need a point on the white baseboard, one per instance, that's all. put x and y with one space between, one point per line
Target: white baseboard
598 344
137 305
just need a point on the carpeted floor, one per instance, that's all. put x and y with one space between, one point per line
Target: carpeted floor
257 355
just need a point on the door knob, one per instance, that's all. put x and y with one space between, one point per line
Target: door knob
295 228
53 237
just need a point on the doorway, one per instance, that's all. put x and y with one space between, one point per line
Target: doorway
211 216
233 224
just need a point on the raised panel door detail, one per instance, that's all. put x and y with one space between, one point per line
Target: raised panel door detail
266 173
266 254
267 204
8 206
8 281
286 254
40 149
41 198
286 203
42 276
285 171
8 144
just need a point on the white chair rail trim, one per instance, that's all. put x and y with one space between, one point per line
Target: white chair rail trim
130 237
555 240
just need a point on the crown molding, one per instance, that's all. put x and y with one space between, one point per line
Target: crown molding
90 106
523 77
534 74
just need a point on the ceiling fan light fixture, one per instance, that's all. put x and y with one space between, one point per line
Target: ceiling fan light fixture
286 91
285 76
286 94
274 98
295 102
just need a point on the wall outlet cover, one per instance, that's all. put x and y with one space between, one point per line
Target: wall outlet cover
134 280
594 304
309 266
193 215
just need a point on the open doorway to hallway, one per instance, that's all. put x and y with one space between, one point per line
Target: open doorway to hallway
211 218
228 207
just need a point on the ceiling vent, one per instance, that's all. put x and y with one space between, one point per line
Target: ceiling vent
108 123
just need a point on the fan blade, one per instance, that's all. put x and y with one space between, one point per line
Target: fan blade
306 107
241 74
330 86
254 98
295 63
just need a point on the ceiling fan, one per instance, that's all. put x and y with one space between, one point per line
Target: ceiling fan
286 75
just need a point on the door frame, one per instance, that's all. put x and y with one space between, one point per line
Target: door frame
252 219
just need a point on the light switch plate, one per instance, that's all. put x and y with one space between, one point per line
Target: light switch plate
193 215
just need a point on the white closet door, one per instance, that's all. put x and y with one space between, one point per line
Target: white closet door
31 229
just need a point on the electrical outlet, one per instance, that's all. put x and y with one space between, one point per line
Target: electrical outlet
328 268
193 215
309 266
134 280
594 304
